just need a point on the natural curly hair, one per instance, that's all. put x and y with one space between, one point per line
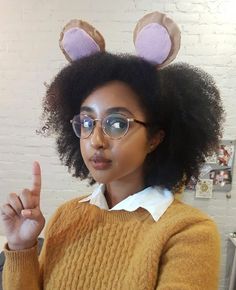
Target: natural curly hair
180 99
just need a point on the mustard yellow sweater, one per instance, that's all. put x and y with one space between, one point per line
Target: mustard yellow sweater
87 248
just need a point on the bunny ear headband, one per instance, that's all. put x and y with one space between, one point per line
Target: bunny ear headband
156 38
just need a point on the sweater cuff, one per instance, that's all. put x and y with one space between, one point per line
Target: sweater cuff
15 260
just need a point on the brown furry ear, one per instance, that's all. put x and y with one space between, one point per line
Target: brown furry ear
157 38
78 39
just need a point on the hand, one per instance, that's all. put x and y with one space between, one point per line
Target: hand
21 216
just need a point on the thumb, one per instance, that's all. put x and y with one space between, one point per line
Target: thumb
33 214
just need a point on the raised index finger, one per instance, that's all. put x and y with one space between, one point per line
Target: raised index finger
36 188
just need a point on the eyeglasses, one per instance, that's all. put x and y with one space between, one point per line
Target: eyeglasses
114 125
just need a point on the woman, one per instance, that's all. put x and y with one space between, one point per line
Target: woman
141 134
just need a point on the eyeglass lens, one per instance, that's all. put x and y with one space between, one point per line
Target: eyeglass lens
114 125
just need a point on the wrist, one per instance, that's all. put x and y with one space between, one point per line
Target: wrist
21 247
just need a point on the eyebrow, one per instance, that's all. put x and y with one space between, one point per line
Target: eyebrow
108 111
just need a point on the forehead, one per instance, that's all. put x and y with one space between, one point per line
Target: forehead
113 94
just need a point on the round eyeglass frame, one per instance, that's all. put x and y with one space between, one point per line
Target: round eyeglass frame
129 120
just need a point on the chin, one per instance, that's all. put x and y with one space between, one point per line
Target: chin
102 178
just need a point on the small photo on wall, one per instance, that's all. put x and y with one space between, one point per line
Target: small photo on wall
221 177
204 188
218 168
225 155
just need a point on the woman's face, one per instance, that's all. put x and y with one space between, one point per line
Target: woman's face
109 159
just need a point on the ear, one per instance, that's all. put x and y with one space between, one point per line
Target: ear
79 38
156 140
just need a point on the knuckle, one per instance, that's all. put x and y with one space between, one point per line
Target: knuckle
11 196
2 209
6 210
25 191
13 200
25 194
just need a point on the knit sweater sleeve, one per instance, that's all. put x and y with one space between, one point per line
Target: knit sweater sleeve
21 270
190 260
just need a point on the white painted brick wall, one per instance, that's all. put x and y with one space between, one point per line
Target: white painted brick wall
29 55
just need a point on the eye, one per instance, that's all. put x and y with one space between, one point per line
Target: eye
115 125
86 122
117 122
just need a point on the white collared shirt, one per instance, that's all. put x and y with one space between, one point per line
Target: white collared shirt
154 199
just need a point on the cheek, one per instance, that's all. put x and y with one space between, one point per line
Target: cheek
84 149
131 153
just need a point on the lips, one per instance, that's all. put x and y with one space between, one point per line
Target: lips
99 162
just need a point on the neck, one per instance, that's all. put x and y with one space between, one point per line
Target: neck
117 191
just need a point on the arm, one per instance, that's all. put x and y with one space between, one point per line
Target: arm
23 221
24 267
190 260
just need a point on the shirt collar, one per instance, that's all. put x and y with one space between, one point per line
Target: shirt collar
154 199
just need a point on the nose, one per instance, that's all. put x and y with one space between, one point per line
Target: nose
98 138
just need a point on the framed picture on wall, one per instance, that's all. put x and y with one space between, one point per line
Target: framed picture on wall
218 168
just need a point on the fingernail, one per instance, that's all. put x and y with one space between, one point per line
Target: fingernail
26 212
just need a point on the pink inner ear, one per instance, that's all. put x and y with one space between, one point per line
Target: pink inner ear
77 43
153 43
